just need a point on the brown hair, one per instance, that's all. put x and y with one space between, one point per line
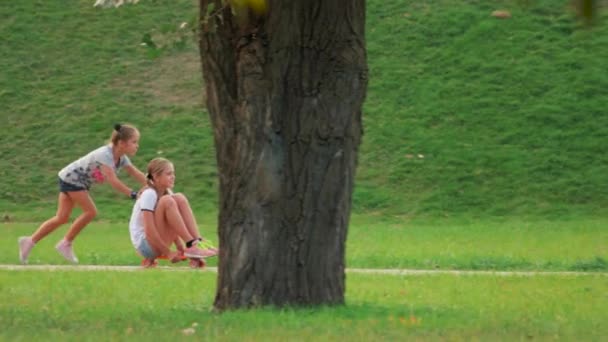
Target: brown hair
122 132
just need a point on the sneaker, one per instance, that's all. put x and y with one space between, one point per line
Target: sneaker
206 244
65 248
212 251
25 247
197 253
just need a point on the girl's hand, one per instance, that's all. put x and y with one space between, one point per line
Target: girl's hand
175 256
179 246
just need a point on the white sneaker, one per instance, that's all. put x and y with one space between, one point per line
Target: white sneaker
25 247
65 249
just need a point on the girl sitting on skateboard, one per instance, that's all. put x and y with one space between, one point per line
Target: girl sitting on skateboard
161 218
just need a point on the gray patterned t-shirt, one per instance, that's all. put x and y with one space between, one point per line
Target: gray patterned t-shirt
86 170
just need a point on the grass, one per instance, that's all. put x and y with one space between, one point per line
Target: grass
160 305
484 116
512 244
484 148
575 245
61 105
465 115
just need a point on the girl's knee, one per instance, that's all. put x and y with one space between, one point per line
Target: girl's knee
166 202
180 198
91 213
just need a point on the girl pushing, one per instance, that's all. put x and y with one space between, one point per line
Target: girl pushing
75 180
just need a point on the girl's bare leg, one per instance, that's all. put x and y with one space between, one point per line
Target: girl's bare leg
189 219
89 211
84 201
64 210
169 221
171 225
187 215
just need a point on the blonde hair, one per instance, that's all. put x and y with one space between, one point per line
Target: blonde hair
122 132
156 167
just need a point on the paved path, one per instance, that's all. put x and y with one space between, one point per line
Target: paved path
350 270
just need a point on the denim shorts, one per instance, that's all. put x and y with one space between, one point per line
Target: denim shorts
67 187
146 250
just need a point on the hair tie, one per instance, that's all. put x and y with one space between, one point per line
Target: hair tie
117 127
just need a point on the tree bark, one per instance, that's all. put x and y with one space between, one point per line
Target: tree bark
285 91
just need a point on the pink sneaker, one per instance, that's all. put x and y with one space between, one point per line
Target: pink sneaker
65 248
213 251
25 247
206 245
197 253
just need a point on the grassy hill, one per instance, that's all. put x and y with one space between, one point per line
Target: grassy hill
484 116
466 114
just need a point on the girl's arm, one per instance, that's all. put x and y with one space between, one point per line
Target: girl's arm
135 173
152 234
119 186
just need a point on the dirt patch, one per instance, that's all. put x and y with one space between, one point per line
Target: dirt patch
174 80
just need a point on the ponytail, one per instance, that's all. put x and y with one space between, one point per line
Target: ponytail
122 132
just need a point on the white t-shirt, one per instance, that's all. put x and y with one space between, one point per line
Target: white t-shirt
86 170
146 202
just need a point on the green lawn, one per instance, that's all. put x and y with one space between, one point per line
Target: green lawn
159 305
570 245
484 148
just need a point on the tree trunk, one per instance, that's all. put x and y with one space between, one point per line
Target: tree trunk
285 91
